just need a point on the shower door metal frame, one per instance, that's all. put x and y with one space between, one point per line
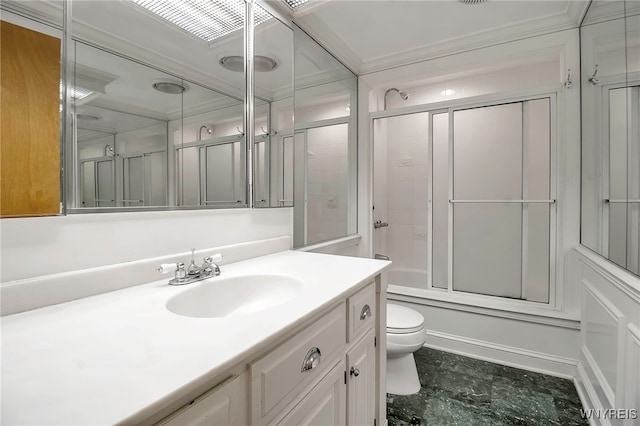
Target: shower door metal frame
303 129
146 157
202 169
551 93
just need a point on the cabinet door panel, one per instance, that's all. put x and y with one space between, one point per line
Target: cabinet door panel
324 405
223 405
361 384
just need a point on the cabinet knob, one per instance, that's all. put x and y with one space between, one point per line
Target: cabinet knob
311 360
354 372
365 313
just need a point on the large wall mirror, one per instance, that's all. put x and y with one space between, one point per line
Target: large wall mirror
273 50
158 105
610 55
158 108
313 163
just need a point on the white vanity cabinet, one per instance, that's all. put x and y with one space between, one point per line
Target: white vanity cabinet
340 388
325 374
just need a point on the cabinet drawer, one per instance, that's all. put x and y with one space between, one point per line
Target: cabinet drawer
279 378
361 311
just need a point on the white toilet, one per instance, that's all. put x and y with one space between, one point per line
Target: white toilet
405 335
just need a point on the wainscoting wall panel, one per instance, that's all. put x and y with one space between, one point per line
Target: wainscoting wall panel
609 365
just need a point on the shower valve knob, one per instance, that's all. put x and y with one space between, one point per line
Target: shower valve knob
380 224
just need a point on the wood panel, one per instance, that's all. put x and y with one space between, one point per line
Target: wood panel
30 135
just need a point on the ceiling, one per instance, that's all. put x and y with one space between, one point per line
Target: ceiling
370 36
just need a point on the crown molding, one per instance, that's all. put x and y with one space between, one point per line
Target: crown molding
329 40
501 35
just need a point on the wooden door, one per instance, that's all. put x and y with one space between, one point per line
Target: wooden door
30 135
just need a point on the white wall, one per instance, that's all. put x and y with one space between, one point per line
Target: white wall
39 246
609 369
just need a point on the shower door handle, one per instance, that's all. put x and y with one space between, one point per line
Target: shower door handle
380 224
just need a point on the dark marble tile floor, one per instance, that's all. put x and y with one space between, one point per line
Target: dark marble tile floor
457 390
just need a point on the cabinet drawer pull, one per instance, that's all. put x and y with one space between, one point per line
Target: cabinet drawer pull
311 360
354 372
365 313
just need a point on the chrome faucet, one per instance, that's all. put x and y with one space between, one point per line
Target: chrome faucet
194 272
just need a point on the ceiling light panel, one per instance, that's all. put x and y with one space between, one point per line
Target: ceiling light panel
205 19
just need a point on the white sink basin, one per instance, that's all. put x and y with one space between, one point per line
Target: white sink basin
227 297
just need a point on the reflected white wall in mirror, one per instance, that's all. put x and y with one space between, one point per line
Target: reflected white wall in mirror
273 111
324 146
610 54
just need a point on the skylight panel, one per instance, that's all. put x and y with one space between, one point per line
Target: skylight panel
295 3
206 19
77 93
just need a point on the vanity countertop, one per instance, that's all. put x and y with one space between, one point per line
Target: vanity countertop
120 356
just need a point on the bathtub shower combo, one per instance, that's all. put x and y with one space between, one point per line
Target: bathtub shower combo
468 193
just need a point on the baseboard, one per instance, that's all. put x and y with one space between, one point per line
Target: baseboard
502 354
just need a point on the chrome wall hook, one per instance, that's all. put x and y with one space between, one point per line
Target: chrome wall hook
593 80
269 133
568 83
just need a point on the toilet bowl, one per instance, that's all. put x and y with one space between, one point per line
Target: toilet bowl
405 335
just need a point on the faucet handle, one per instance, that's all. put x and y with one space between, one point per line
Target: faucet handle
165 268
193 268
178 268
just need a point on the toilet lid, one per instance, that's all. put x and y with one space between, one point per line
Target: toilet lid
401 320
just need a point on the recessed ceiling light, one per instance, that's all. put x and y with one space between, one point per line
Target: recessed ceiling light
448 92
205 19
260 63
169 87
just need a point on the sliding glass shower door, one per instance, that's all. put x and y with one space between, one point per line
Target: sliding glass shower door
464 199
501 200
401 192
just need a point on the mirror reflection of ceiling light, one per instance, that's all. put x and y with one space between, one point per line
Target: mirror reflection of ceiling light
169 87
448 92
260 63
87 117
205 19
